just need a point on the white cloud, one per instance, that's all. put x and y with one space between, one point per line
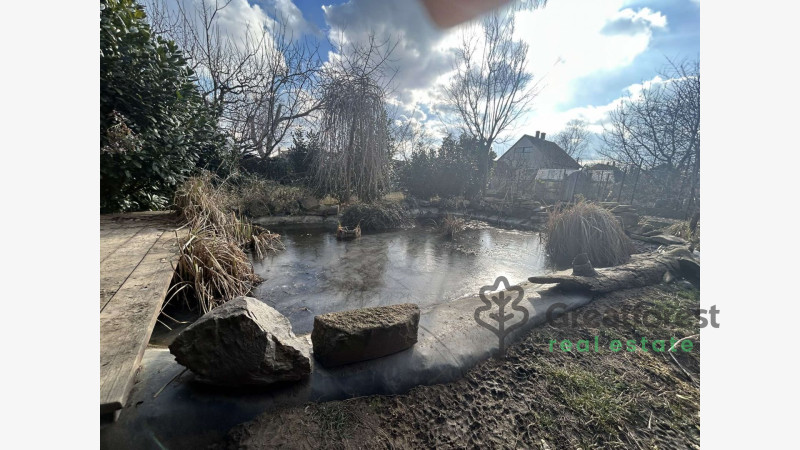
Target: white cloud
417 56
292 17
569 41
628 21
241 20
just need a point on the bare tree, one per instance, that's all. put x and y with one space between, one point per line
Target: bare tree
354 156
574 138
659 127
284 89
410 136
260 84
491 87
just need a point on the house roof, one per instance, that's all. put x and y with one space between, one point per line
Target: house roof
601 166
546 154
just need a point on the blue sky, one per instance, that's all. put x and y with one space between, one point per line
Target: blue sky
586 54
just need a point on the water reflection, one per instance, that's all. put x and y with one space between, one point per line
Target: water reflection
317 274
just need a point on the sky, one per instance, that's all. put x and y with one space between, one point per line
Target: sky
584 54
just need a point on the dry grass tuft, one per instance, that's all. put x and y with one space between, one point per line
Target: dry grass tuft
258 197
212 261
683 230
586 228
451 226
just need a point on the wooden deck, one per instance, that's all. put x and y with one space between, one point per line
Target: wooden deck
138 252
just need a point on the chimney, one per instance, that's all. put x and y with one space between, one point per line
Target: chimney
543 136
537 134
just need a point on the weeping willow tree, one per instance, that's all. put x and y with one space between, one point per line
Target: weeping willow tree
354 156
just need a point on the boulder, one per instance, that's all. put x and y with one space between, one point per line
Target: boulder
358 335
582 267
242 342
309 203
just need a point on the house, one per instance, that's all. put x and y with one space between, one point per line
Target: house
530 160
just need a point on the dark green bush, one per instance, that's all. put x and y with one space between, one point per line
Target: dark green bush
451 171
155 127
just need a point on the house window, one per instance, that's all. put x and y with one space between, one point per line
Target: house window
525 150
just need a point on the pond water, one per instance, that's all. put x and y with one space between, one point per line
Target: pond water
317 274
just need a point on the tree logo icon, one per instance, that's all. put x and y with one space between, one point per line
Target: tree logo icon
501 299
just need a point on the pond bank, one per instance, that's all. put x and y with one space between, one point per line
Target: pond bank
415 213
168 409
186 414
534 398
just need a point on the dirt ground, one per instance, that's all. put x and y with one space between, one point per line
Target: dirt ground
535 398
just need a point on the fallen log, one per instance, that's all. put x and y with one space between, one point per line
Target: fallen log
642 270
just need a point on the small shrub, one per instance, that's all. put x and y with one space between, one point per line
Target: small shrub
451 225
155 127
376 216
586 228
259 197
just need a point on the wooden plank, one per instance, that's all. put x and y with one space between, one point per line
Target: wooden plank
115 229
112 238
118 266
127 322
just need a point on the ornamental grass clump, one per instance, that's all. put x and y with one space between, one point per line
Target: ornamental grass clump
586 228
451 225
213 262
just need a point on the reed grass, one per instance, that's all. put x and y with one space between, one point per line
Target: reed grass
212 261
586 228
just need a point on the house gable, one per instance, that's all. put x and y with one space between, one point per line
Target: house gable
534 153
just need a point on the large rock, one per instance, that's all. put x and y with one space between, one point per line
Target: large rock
582 267
309 203
243 342
361 334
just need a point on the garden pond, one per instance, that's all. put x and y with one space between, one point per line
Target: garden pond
317 274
